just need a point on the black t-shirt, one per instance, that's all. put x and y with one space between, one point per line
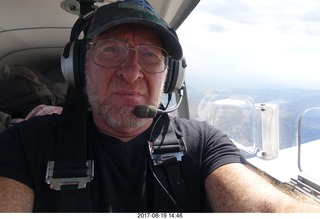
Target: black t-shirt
123 180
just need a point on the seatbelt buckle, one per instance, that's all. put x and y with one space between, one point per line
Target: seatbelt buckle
57 183
159 153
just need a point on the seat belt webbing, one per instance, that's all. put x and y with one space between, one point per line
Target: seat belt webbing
178 186
167 149
70 171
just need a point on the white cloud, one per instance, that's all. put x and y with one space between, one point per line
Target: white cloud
261 40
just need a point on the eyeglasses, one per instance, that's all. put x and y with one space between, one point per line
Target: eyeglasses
111 53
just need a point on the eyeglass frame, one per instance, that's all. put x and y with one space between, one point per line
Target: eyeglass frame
166 56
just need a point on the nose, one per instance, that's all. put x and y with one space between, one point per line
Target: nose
130 69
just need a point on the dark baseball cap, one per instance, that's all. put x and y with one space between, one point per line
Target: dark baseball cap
135 12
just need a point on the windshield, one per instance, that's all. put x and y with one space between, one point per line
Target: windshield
264 51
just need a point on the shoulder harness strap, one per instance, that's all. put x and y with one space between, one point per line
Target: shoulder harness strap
167 149
70 172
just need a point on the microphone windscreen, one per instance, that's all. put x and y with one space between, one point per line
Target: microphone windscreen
145 111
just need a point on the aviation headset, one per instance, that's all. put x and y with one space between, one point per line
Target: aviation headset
73 59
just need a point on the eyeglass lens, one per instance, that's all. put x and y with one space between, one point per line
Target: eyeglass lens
111 53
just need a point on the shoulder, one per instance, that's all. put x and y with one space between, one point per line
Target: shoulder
207 144
194 128
40 123
26 147
201 137
38 127
188 125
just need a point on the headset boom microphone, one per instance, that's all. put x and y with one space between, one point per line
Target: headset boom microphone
145 111
148 111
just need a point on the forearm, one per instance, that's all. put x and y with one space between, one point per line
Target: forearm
294 200
15 196
235 188
298 201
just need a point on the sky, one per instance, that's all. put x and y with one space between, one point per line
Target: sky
268 42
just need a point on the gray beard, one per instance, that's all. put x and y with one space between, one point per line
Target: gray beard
115 117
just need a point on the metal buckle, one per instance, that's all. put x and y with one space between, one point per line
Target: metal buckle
159 157
56 183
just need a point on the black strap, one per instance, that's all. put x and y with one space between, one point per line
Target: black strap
178 186
168 145
68 198
71 152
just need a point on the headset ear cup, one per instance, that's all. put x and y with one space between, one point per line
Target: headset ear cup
72 63
175 75
167 84
66 63
74 53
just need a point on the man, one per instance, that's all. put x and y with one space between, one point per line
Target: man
126 66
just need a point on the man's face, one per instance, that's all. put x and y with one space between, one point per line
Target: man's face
114 92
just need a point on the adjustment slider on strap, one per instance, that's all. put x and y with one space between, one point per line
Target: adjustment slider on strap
159 153
56 183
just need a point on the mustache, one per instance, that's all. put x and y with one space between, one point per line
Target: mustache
120 83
